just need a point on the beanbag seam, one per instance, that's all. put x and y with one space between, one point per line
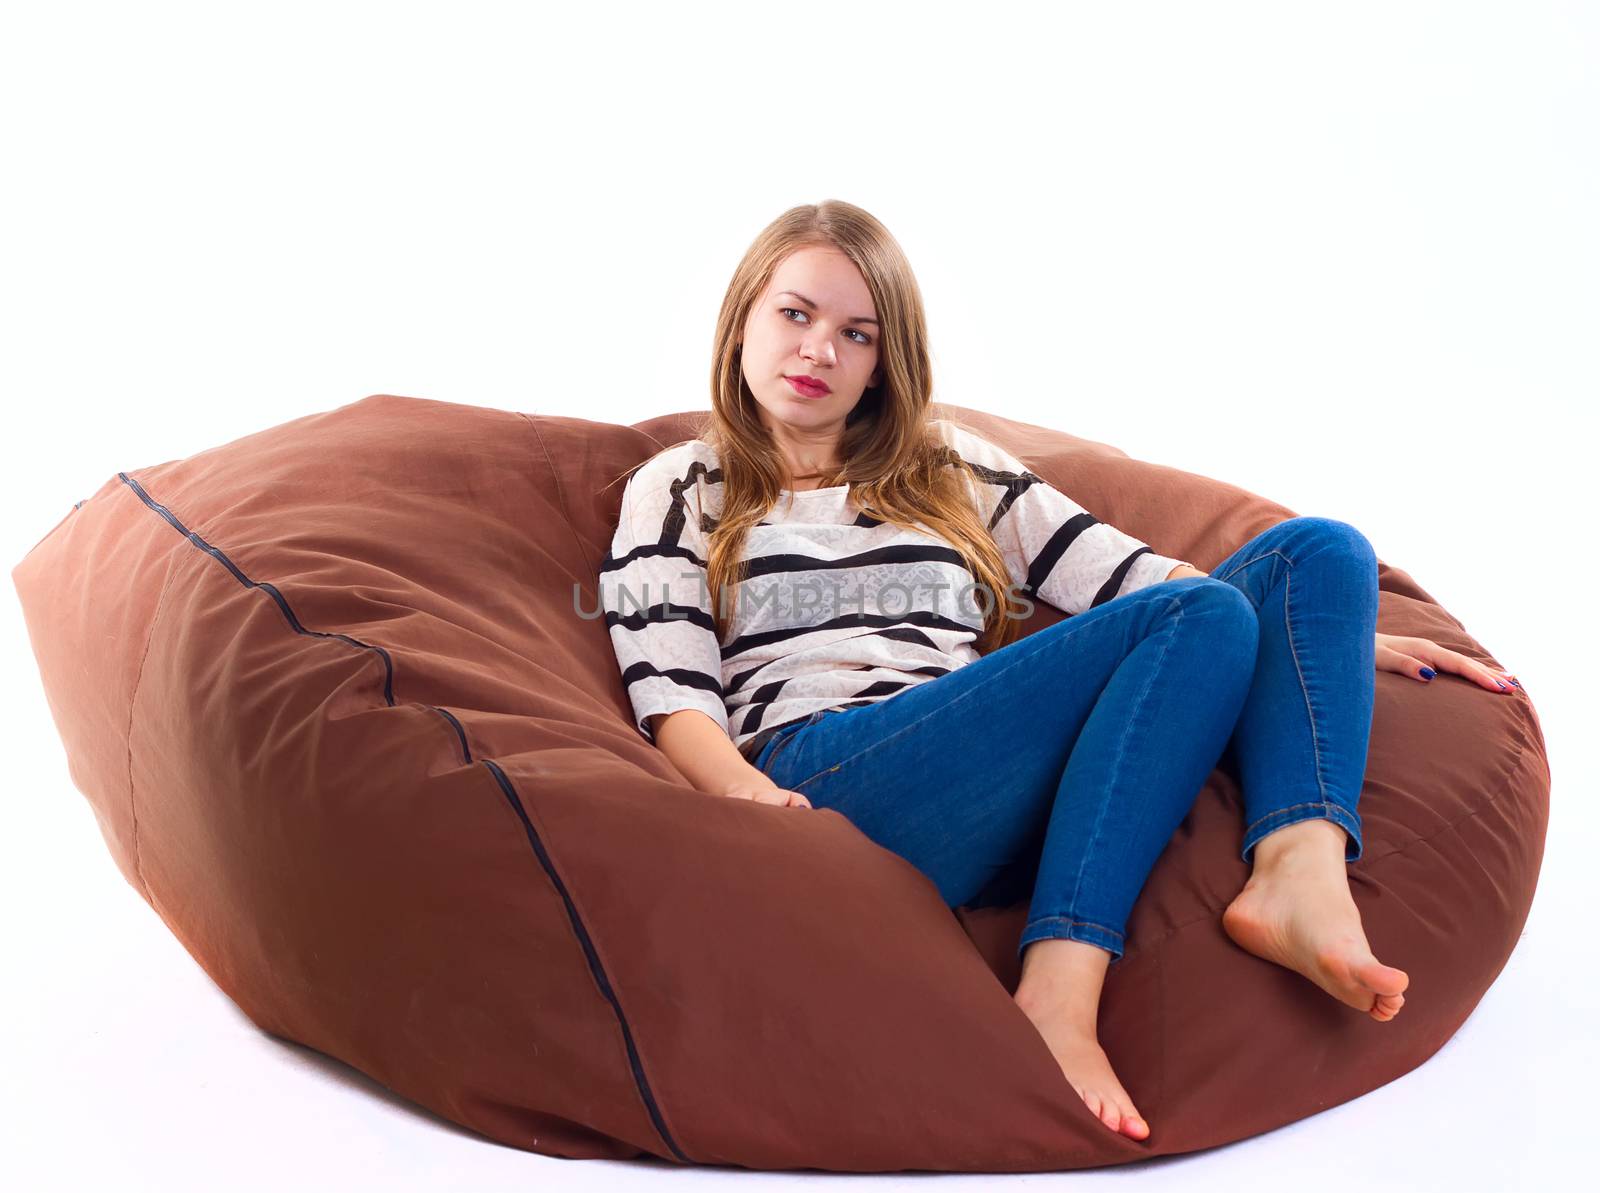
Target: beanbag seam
596 970
561 497
133 706
507 788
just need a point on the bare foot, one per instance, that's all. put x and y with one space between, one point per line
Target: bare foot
1087 1069
1297 910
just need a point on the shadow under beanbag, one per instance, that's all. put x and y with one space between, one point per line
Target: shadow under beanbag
338 696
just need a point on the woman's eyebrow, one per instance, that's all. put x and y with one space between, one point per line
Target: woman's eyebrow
813 306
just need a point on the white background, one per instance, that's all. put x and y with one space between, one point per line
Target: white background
1342 255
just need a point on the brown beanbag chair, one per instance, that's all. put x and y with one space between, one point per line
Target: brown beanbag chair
339 699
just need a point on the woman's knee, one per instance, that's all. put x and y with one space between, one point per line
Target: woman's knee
1231 615
1330 534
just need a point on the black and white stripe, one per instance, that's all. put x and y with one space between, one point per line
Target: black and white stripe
837 609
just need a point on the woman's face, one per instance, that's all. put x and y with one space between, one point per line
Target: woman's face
816 319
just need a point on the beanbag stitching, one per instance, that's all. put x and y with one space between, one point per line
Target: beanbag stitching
596 971
595 968
283 605
561 497
466 750
133 704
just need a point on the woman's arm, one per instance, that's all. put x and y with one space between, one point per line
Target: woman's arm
703 751
1183 570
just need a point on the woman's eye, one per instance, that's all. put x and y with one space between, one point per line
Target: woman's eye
787 311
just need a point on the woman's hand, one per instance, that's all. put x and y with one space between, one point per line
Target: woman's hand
1412 656
763 790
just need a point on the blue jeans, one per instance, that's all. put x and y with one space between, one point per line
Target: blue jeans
1069 757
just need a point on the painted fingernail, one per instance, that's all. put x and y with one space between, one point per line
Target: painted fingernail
1516 683
1501 683
1428 673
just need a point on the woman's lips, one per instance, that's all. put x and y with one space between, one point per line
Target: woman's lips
806 389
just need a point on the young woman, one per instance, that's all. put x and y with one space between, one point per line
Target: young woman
874 547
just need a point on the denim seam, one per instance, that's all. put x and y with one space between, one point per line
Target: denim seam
1062 919
1127 729
1316 745
1311 720
777 748
1316 803
981 686
1239 567
785 736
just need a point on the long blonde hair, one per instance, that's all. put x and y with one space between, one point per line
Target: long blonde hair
896 469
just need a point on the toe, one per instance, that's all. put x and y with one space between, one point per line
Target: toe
1382 979
1132 1124
1387 1006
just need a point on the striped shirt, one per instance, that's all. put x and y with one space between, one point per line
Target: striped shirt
837 608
